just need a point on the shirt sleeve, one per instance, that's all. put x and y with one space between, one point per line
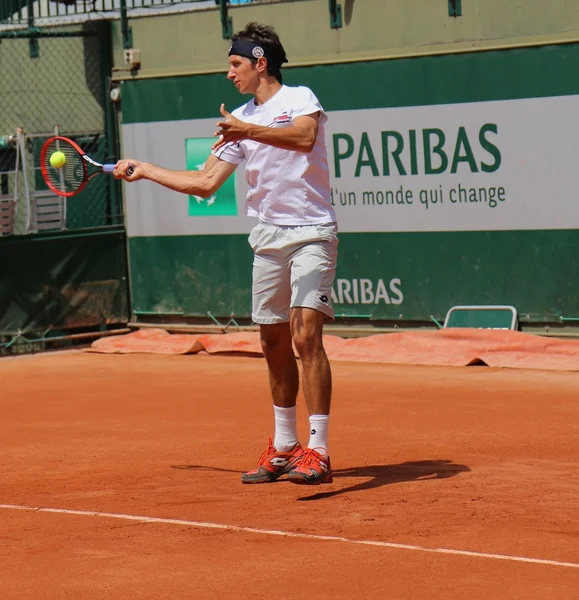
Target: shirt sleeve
306 103
231 153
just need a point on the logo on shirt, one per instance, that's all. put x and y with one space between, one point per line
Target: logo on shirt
223 203
282 119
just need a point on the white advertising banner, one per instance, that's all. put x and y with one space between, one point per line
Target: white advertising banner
485 166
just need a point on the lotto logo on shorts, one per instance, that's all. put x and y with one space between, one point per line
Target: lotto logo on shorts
224 202
324 299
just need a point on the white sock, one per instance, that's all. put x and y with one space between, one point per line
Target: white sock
286 433
319 433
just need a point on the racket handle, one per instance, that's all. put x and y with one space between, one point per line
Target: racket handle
109 169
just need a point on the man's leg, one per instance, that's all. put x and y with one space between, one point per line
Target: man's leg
270 308
313 268
306 326
284 451
276 343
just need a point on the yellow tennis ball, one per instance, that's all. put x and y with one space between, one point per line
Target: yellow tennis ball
57 160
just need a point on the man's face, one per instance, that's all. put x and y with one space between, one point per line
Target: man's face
243 73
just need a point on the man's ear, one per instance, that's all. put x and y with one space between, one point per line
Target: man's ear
261 64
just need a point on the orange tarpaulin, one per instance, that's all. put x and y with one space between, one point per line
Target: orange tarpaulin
452 347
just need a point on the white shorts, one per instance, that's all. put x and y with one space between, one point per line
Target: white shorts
293 266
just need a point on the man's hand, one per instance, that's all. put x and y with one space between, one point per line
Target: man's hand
230 130
139 168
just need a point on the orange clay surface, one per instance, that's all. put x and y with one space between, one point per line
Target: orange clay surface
470 459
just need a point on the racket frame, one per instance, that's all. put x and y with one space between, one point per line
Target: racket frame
86 159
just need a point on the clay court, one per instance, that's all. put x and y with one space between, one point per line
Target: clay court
120 479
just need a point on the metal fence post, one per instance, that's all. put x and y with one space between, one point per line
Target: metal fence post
226 22
454 8
125 29
335 14
33 42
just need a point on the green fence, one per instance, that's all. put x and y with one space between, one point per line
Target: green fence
55 286
452 177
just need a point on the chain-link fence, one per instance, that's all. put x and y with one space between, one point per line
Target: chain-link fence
61 90
18 12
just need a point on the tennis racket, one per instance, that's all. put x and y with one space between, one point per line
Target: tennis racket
79 168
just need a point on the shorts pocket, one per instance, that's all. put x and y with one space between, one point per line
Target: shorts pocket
327 232
255 236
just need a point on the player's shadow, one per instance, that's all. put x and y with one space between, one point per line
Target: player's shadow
378 475
375 475
204 468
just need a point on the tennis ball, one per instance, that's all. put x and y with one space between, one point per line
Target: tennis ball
57 160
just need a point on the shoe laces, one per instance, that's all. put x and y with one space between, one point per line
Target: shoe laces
269 451
311 457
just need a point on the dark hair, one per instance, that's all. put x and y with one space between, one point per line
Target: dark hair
265 36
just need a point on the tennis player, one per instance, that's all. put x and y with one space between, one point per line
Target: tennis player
279 134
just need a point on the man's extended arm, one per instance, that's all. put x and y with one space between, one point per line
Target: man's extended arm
195 183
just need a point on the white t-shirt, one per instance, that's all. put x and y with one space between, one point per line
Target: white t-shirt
285 187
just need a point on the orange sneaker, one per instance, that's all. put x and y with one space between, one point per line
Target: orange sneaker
273 464
314 468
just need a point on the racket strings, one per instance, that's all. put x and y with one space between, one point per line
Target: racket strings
71 176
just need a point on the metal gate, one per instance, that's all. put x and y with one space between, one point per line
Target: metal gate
55 84
62 261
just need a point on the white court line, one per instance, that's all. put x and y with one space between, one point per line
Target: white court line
304 536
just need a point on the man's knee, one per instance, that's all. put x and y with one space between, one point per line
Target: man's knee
306 328
307 338
274 337
308 343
